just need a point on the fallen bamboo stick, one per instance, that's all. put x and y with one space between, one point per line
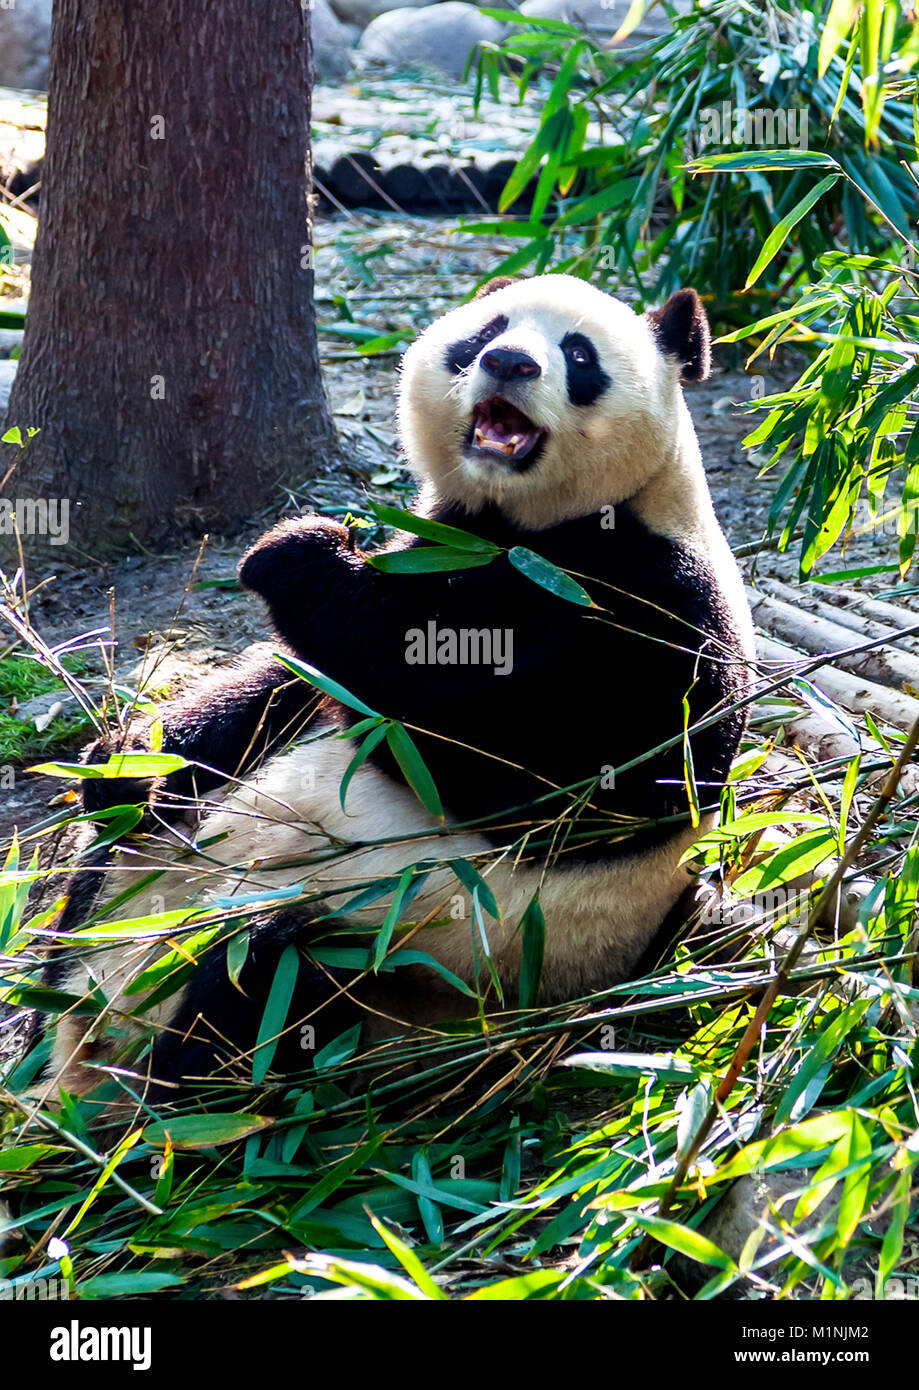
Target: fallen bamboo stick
852 692
846 617
816 634
889 613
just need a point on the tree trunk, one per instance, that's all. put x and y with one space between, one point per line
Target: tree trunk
170 356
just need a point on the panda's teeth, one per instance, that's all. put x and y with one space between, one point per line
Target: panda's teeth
485 441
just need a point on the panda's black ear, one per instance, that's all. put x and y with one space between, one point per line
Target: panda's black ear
681 329
498 283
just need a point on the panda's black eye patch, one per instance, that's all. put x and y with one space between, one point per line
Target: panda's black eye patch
459 356
586 378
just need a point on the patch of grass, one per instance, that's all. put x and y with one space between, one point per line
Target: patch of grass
22 678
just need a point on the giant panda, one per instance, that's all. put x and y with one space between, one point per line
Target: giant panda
544 414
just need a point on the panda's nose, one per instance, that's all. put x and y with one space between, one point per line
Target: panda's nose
509 364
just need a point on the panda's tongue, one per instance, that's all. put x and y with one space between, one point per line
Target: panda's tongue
499 425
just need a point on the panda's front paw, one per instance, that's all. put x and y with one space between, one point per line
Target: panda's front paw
287 557
102 793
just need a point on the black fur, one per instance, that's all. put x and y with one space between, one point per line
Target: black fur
461 355
216 1026
226 726
682 331
587 691
586 381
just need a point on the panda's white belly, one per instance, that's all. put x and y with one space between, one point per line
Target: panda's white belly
286 827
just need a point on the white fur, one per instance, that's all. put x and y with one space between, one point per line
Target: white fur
636 443
599 917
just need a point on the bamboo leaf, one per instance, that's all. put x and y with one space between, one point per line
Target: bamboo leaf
541 1284
633 18
408 1260
326 685
689 772
779 233
129 1284
826 708
18 1159
430 1213
856 1146
548 576
763 160
665 1066
204 1131
428 560
119 765
375 737
686 1241
385 934
806 1085
892 1246
275 1012
790 862
126 1144
414 768
237 953
835 27
340 1049
473 881
533 931
432 530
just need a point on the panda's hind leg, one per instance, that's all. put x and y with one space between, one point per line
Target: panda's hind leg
212 1035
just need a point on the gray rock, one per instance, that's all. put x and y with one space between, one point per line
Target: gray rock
604 16
361 12
10 340
25 33
596 14
760 1201
41 709
7 372
333 42
438 36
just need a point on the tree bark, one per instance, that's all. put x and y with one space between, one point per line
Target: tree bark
170 357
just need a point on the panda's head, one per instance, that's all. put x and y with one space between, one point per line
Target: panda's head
549 397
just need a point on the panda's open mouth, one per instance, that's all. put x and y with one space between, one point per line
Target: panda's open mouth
501 431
